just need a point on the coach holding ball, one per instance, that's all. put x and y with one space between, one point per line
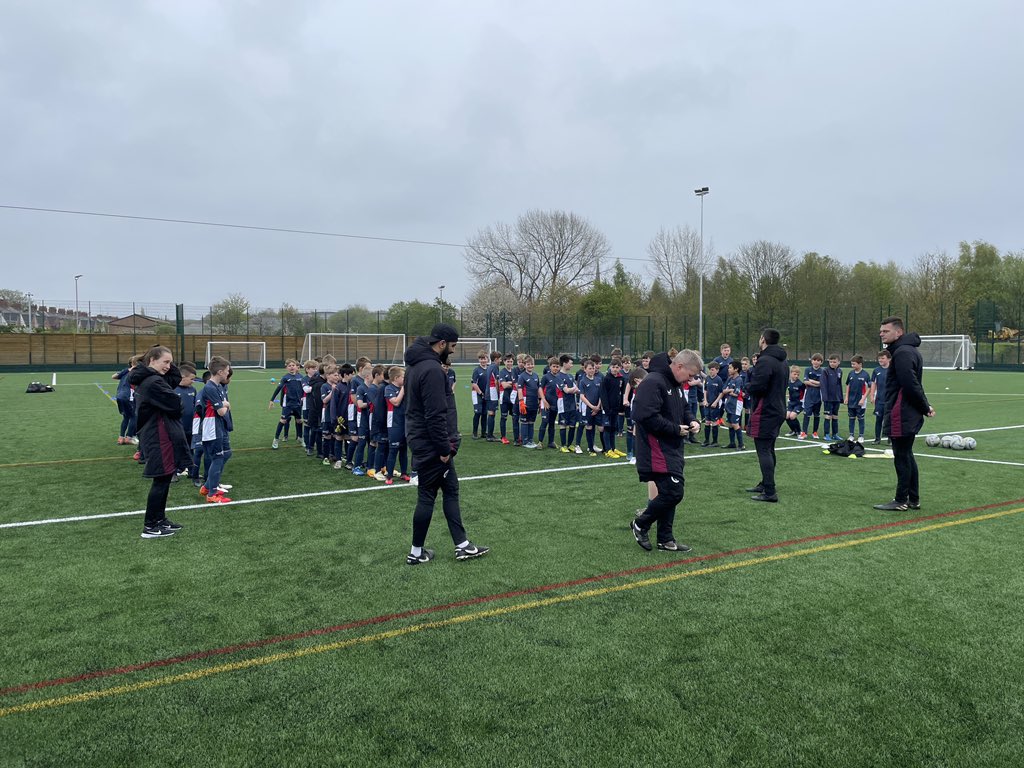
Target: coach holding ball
905 408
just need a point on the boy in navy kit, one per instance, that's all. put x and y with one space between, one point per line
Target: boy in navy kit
331 403
732 394
878 379
215 427
342 427
394 393
812 395
380 426
362 411
314 408
550 394
188 395
858 384
724 359
476 389
528 385
290 387
694 392
450 373
831 396
746 373
568 410
507 388
713 387
795 401
125 400
590 405
635 377
492 393
611 405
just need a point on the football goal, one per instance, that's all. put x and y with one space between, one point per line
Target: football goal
384 348
950 353
241 354
470 347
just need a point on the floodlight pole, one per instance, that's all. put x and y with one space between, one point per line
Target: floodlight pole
701 193
78 321
30 313
440 303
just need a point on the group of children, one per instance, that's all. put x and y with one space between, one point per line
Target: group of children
354 416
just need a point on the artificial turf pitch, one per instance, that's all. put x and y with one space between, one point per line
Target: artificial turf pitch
290 631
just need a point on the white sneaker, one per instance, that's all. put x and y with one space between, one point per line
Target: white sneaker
339 465
577 450
530 445
275 444
633 460
135 441
861 440
382 476
224 488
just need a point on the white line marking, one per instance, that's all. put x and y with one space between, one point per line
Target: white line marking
342 491
965 458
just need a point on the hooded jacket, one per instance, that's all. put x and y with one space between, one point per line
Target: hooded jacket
767 389
905 401
161 438
659 408
431 420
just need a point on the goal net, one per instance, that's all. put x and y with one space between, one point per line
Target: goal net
947 352
468 348
348 347
241 354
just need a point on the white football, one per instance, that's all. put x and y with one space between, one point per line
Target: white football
970 443
956 443
932 440
946 441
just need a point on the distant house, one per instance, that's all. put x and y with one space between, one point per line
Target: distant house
134 324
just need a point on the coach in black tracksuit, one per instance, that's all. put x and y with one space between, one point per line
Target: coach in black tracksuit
432 432
662 417
906 405
767 389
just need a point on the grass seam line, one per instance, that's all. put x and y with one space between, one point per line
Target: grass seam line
385 618
477 616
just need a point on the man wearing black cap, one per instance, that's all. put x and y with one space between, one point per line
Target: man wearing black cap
432 431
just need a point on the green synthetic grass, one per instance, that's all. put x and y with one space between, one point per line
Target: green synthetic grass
895 652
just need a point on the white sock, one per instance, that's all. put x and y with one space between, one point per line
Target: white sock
462 545
417 551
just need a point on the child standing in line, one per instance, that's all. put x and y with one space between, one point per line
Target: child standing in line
590 405
713 387
216 426
611 405
635 377
314 408
733 397
858 383
125 400
795 401
188 395
878 379
566 406
290 388
507 387
550 394
394 392
832 396
330 399
812 395
529 388
477 395
380 426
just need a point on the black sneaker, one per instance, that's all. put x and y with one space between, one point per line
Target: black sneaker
171 526
641 536
756 489
876 442
425 556
672 546
913 504
893 506
705 444
470 551
156 532
771 497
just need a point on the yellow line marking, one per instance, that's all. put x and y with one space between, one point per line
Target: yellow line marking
262 661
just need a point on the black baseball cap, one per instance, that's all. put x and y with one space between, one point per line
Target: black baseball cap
443 332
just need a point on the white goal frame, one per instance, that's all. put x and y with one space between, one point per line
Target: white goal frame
955 352
468 348
247 362
345 347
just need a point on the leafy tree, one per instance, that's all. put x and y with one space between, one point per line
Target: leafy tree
416 318
229 315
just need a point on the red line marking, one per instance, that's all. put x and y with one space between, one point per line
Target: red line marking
385 618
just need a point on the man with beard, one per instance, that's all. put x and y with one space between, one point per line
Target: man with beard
432 433
906 405
662 418
767 388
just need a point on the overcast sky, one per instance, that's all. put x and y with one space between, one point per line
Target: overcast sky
868 131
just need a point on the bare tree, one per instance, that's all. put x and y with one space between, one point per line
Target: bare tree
767 268
544 250
676 259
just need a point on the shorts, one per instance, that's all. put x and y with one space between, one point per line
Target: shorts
589 419
364 424
396 436
856 411
492 406
568 419
609 420
288 411
328 426
732 418
478 406
796 408
880 412
530 415
712 414
831 409
813 409
508 407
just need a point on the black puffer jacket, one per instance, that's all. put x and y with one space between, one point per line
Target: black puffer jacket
161 438
431 420
767 388
905 401
659 409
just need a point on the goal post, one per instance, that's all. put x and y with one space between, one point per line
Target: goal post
469 347
241 354
947 353
348 347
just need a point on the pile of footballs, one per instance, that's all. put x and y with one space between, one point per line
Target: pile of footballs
956 442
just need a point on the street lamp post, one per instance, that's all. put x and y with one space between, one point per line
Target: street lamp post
440 303
78 321
701 193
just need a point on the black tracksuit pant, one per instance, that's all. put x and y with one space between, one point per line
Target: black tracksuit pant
436 475
765 447
662 509
906 470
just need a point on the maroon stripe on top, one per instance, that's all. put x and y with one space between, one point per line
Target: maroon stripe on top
166 447
896 417
754 427
658 462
